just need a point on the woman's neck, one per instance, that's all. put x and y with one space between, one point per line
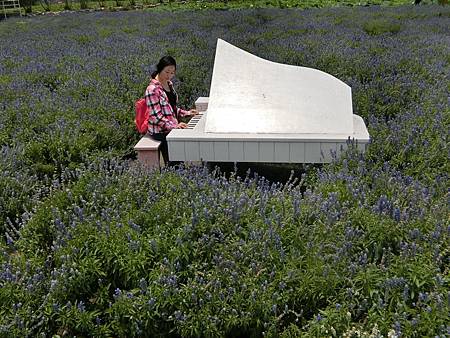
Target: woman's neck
165 84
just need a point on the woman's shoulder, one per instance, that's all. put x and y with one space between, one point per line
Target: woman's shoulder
153 87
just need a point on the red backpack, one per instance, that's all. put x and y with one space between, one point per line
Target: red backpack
142 115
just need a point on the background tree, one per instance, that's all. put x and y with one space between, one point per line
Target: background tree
27 5
68 5
45 5
83 4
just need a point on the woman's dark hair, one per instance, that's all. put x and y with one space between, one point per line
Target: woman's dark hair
164 62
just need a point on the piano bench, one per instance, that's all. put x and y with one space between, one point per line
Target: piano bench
148 152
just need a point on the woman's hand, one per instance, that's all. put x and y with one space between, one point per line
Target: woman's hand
193 112
181 125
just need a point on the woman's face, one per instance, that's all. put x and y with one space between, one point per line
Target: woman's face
167 73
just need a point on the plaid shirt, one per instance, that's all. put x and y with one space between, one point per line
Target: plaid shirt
162 118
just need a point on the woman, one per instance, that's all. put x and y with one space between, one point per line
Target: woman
162 100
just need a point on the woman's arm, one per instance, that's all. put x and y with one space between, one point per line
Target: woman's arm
183 113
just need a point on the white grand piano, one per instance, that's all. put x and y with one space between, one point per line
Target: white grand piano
262 111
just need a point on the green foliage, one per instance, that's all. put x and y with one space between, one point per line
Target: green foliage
381 26
207 4
234 256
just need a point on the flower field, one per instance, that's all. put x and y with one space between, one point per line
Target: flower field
95 245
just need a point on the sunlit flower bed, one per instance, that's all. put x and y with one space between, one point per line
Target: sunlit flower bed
94 245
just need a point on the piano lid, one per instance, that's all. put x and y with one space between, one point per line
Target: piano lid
251 95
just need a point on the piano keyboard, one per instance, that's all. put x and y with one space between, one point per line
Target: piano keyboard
194 120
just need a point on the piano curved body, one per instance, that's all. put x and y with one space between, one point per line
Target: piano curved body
261 111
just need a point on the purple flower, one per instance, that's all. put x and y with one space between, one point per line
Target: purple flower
274 309
81 307
151 302
117 293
